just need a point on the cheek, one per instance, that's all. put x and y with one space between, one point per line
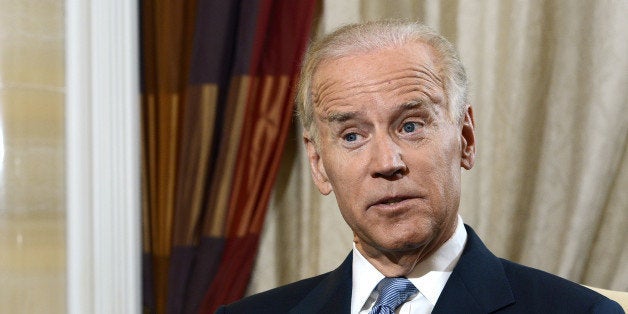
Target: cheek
438 168
448 150
344 171
347 178
449 174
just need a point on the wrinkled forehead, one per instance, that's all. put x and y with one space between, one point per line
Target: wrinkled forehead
416 46
393 71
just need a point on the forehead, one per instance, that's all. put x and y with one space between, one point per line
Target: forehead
399 74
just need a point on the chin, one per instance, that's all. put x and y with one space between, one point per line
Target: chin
407 242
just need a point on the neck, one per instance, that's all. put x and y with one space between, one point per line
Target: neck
401 263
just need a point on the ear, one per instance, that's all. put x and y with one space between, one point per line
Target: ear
316 166
467 140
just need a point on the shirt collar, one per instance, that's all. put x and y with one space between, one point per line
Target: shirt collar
429 276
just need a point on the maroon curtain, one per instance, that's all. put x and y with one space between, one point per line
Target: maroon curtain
218 94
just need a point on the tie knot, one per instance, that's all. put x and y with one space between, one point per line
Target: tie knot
392 293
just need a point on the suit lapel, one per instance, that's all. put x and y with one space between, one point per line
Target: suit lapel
332 294
478 283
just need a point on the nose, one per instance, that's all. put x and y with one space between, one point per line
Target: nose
386 159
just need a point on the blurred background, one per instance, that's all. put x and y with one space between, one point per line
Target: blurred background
32 152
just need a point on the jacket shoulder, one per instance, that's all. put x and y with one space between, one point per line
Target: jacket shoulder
277 300
542 292
326 293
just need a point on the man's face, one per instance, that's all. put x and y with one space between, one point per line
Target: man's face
388 149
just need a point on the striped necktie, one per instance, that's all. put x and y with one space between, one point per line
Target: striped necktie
392 293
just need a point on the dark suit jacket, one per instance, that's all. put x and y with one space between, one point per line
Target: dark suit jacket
480 283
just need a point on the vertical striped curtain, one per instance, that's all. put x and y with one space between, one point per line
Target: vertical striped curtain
217 98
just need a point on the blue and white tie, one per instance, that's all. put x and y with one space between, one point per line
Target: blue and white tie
392 293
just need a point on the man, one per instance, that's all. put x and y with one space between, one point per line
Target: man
387 128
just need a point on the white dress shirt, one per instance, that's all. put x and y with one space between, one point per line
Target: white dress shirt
429 277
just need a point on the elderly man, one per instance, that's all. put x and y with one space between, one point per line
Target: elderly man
387 128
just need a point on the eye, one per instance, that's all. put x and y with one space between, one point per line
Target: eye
410 127
351 137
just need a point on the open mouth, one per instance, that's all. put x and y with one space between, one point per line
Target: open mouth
392 201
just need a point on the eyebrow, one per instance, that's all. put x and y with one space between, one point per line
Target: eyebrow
341 116
417 103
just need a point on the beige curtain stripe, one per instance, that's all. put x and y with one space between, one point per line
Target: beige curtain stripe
220 189
197 133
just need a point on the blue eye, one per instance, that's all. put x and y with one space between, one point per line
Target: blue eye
351 137
409 127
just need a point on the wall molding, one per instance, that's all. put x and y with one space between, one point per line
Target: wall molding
103 157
